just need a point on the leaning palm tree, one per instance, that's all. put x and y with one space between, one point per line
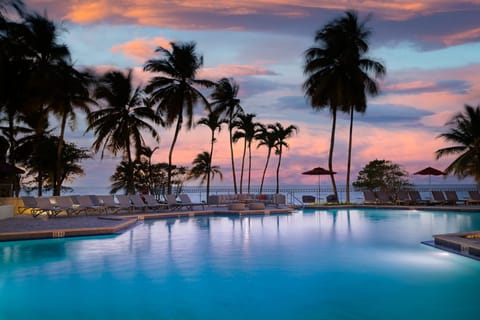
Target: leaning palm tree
464 132
175 90
281 135
268 138
224 97
118 124
214 122
203 169
246 130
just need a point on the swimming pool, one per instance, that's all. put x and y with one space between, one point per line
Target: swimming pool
315 264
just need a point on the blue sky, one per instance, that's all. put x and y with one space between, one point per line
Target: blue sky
431 50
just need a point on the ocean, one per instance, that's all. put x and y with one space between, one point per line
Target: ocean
294 193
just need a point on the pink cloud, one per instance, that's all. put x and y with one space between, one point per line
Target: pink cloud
140 50
178 14
233 70
470 35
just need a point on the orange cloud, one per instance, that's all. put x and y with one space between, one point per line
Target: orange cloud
91 11
140 50
178 14
462 37
232 70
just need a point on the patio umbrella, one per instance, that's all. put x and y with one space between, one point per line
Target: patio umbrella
429 171
318 171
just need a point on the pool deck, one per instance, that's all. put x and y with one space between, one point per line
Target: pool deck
26 227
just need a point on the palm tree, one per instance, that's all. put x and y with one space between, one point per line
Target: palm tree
175 89
71 92
281 134
37 39
5 5
203 169
266 137
224 97
119 123
214 122
464 132
350 38
246 130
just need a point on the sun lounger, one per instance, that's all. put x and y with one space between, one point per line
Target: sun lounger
85 204
173 203
66 204
185 200
45 206
29 205
474 197
416 198
439 198
403 198
108 202
152 203
125 202
452 198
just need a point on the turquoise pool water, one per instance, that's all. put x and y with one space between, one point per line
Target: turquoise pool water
334 264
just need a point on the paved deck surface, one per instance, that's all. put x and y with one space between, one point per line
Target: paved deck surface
26 227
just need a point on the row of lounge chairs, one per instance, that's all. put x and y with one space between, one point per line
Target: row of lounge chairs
412 197
102 204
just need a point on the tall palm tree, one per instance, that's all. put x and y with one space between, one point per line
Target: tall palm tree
44 55
338 75
175 89
71 93
214 122
119 123
464 132
246 130
281 134
224 96
203 169
266 137
351 41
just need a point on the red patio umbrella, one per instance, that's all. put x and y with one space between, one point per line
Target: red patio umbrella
318 171
429 171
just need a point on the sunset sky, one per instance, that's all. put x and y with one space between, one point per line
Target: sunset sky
431 50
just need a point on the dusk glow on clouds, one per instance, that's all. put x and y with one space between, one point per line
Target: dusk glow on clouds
430 48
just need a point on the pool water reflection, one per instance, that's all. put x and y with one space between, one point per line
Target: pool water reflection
323 264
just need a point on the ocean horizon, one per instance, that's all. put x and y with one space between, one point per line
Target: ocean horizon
294 193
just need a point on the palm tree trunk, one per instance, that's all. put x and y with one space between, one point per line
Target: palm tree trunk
130 182
277 190
243 165
57 176
349 162
330 153
233 160
170 153
249 165
210 164
265 169
11 138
